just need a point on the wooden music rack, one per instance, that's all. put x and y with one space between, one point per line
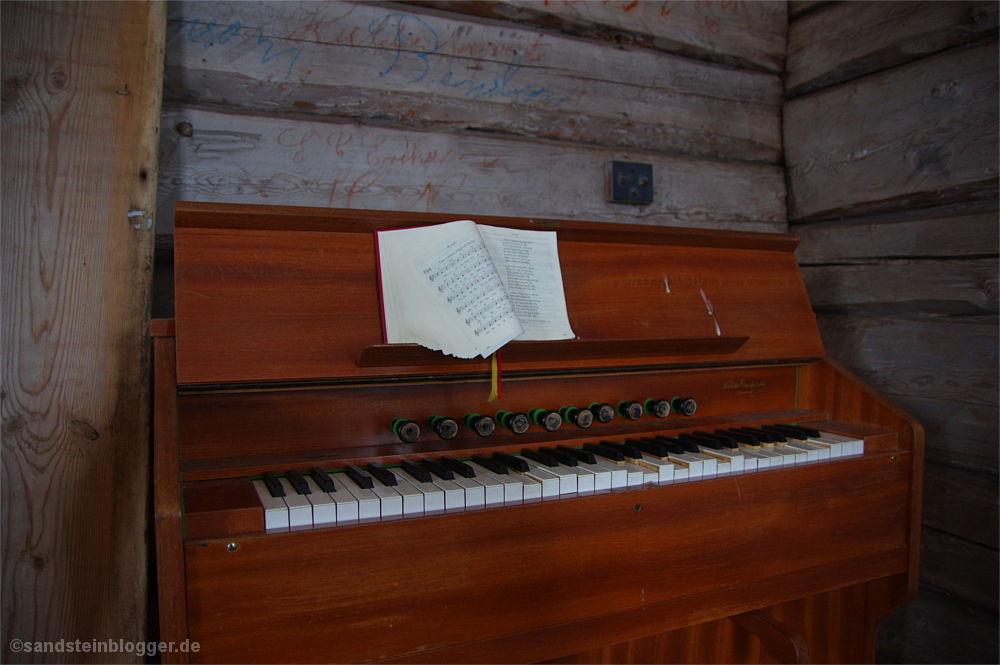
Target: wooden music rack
275 361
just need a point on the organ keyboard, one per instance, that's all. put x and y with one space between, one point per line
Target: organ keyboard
716 490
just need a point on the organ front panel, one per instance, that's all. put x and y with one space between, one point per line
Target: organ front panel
691 464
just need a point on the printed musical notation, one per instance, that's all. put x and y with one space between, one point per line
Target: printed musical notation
464 276
462 288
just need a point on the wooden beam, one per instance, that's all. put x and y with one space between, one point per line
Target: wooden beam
921 134
451 73
276 160
853 39
81 103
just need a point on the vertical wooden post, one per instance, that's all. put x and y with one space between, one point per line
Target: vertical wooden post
80 119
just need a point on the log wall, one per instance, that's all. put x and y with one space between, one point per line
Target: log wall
890 138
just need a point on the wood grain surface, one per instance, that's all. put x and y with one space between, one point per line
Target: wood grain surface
208 156
855 39
420 69
920 134
81 97
532 566
747 35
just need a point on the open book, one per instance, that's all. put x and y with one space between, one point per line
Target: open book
467 289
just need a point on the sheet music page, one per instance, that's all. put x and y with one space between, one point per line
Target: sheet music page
528 265
441 290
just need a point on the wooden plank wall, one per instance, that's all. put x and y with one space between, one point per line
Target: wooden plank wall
891 141
511 108
80 118
497 108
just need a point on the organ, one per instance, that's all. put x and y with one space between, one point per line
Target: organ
705 528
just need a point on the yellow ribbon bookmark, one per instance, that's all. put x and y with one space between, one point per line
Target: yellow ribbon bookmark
494 377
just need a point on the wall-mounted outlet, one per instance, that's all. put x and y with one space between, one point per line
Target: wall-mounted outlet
631 182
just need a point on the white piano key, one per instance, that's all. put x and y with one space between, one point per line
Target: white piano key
390 501
433 495
532 489
454 495
850 445
347 503
650 476
695 466
811 452
737 462
549 482
586 481
413 499
792 456
837 450
493 490
768 459
602 476
567 479
369 504
275 508
664 468
475 493
324 509
300 512
681 473
749 460
619 475
822 452
637 475
513 489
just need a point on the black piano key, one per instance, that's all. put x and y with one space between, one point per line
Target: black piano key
581 455
707 442
491 464
808 431
511 461
458 466
415 470
360 477
297 482
776 437
539 457
726 441
438 469
324 481
788 433
566 459
273 484
672 445
628 448
652 447
384 476
741 437
688 445
762 436
605 452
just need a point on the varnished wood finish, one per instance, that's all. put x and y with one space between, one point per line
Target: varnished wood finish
848 398
167 503
645 351
778 640
267 422
267 304
535 565
274 311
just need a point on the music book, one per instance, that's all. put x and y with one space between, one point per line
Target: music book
467 289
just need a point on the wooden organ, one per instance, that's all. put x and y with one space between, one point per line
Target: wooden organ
275 363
